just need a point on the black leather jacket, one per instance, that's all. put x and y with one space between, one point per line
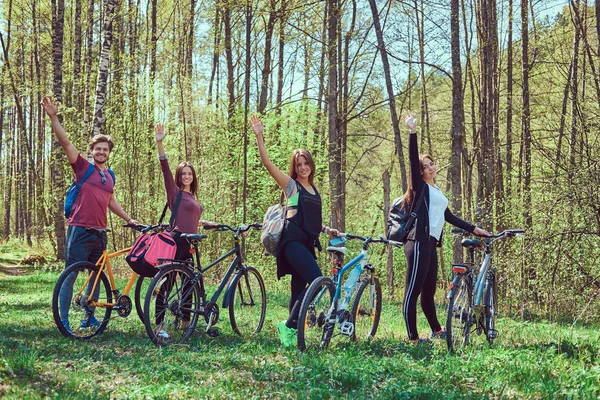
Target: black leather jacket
420 230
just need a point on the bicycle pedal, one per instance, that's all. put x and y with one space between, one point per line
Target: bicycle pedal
347 328
492 333
213 332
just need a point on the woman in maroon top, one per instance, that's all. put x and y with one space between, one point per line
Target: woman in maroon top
187 218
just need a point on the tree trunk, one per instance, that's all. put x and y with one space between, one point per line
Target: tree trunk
509 105
229 59
56 168
101 85
390 93
458 115
266 69
526 116
88 71
216 52
246 104
335 159
280 66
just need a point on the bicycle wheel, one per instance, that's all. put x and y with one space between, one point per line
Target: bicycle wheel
141 287
491 304
247 302
312 318
366 309
73 314
171 305
460 315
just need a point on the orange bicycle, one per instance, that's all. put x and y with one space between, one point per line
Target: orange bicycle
84 287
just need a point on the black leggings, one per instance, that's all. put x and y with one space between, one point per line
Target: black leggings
304 270
421 279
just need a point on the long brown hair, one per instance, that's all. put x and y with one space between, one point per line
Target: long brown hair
179 172
409 194
293 161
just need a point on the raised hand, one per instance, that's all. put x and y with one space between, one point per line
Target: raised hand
410 119
49 106
159 132
257 126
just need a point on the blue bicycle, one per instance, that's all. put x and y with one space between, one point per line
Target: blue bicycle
323 306
473 296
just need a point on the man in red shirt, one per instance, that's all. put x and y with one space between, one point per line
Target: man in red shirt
86 236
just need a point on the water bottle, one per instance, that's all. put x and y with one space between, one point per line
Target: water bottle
350 284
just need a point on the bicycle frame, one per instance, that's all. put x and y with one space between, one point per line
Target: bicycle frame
337 278
235 265
102 263
482 276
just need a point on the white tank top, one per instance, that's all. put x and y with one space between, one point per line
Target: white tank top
437 207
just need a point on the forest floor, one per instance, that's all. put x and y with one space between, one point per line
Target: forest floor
528 360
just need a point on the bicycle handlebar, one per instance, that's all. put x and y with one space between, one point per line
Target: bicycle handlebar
367 240
237 230
507 232
146 228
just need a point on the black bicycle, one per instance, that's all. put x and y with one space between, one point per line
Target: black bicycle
177 298
473 297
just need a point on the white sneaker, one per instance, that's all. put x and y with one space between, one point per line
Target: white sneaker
162 334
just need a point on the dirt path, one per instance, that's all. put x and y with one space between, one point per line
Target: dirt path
14 270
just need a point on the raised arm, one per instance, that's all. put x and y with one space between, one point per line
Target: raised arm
159 135
52 110
281 178
413 150
170 185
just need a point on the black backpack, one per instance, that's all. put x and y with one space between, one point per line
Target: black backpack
400 222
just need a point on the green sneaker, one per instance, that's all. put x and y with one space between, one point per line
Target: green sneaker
287 336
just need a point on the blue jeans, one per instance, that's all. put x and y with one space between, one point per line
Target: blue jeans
81 246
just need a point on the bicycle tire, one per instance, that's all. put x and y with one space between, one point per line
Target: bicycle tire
491 309
81 321
141 287
366 310
247 297
168 304
460 315
311 319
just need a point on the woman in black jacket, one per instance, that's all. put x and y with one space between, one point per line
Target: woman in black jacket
424 237
296 252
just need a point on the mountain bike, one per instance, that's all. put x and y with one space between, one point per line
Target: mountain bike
177 298
322 309
83 287
473 297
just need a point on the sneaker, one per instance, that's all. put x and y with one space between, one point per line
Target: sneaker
67 326
441 334
91 321
163 335
287 336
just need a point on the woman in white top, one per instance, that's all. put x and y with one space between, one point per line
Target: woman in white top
424 237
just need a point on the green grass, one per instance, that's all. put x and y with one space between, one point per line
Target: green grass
529 360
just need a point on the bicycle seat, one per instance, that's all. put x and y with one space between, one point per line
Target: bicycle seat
193 237
474 243
334 249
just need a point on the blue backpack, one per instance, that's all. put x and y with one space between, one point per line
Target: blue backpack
73 190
